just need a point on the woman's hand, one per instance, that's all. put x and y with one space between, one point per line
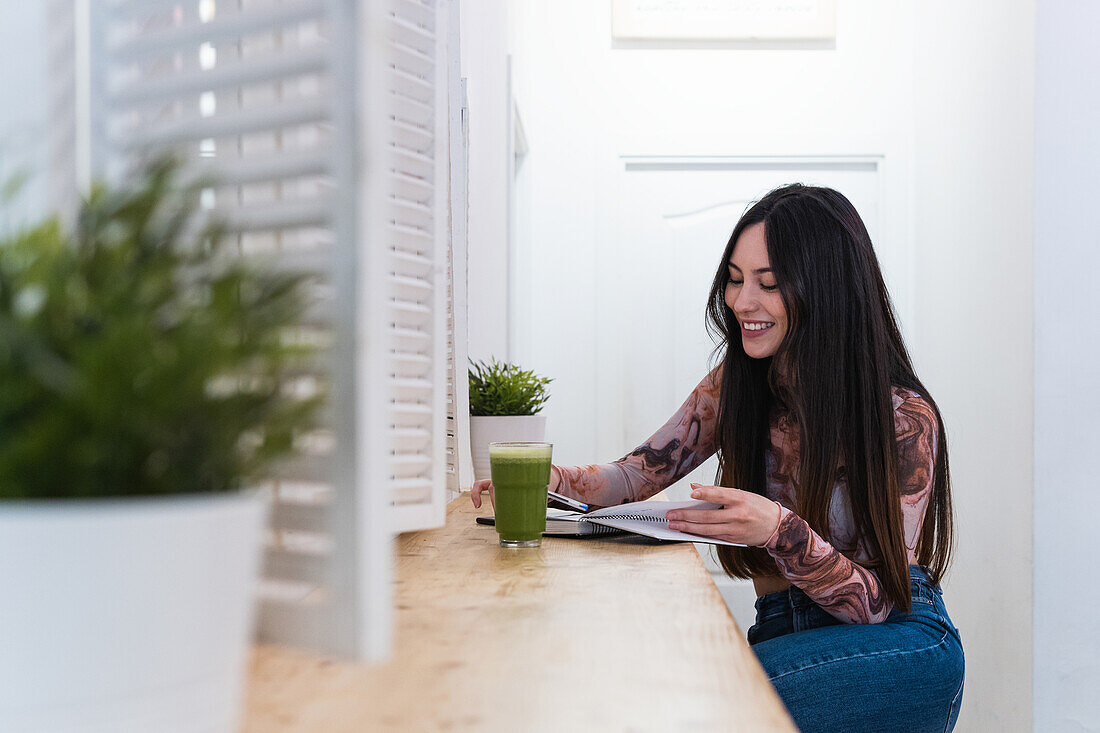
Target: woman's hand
479 486
745 518
487 485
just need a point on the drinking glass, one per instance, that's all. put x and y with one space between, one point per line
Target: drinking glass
521 474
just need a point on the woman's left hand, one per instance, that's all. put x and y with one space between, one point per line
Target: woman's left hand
745 518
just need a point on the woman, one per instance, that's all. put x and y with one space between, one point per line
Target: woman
833 471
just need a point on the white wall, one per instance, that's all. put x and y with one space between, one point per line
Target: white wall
973 342
1067 364
943 92
484 28
586 103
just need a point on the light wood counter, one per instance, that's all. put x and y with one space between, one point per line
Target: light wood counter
580 634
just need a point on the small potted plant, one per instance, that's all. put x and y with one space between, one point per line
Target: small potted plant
142 387
504 404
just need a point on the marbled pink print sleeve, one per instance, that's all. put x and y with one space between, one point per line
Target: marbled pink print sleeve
682 443
848 591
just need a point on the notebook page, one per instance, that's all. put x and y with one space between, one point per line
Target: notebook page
659 531
653 510
648 518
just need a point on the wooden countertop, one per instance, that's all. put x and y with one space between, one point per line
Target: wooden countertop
582 634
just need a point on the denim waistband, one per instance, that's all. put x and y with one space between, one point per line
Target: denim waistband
795 597
916 572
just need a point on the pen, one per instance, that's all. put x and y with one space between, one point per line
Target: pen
573 503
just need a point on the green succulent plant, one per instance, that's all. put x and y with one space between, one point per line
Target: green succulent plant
497 388
136 358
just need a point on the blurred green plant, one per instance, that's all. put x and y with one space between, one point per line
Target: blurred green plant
135 360
498 389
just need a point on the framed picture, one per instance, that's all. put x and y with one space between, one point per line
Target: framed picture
723 20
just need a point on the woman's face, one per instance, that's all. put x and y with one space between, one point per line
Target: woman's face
753 296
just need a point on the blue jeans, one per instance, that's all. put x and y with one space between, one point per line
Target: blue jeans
904 674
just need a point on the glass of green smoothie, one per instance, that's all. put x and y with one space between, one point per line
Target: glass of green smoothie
521 474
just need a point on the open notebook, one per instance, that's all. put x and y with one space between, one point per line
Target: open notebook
641 517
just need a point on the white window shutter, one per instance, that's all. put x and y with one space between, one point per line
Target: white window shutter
328 124
413 227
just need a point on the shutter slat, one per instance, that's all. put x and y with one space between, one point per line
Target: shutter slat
415 265
307 468
312 162
409 107
417 360
169 86
410 485
194 129
414 137
414 188
416 88
409 239
408 334
416 163
317 261
411 34
410 308
412 60
223 28
411 460
413 384
415 239
143 9
411 211
277 215
410 439
412 286
289 565
411 408
300 517
419 13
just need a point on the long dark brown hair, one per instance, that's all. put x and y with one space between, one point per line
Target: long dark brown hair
834 371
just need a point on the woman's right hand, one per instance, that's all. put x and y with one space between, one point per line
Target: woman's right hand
479 486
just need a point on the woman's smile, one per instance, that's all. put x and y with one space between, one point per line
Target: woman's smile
754 329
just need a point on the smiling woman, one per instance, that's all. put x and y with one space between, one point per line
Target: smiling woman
833 472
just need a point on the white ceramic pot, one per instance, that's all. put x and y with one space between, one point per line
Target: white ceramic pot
128 614
486 430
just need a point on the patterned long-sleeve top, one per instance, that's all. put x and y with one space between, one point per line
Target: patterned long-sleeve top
830 573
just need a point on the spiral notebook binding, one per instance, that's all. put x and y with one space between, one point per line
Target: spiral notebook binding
636 517
602 529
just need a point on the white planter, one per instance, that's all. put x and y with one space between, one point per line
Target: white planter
486 430
127 614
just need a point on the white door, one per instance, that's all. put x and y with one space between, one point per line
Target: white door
664 242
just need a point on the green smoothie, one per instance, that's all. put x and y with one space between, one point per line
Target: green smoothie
521 473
